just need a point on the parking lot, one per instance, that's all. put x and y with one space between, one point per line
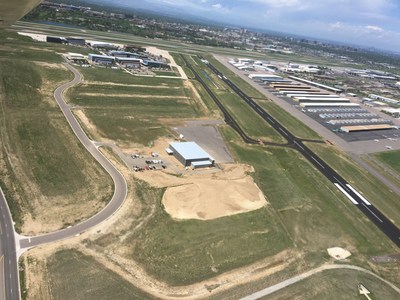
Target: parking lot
334 117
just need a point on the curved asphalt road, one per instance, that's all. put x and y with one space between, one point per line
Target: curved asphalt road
9 280
281 285
120 186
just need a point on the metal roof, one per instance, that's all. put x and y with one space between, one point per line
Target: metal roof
101 56
334 104
190 150
366 127
201 163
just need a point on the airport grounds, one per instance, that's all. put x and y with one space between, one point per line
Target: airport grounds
142 245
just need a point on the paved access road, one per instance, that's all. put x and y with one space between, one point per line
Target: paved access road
381 221
9 277
120 186
9 280
281 285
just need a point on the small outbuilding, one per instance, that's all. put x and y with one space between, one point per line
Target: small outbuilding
191 154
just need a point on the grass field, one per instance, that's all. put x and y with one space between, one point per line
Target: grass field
376 192
44 167
335 284
295 126
100 74
73 275
306 214
305 211
183 252
178 59
130 109
249 121
109 90
125 125
166 73
391 159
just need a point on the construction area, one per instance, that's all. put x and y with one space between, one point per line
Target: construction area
194 192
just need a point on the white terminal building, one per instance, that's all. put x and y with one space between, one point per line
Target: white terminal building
190 154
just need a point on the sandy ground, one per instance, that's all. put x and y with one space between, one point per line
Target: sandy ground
196 96
164 53
338 253
35 36
209 193
207 199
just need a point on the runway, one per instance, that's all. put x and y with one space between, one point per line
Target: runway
354 196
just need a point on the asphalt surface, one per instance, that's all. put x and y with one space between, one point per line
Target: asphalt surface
206 134
228 118
283 284
120 186
368 209
9 287
357 147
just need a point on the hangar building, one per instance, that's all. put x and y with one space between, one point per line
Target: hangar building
190 154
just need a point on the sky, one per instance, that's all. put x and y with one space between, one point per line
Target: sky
374 23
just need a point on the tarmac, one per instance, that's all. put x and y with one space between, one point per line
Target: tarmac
356 147
206 134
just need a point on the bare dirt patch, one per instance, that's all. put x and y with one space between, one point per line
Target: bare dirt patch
50 65
338 253
85 120
166 54
210 199
205 194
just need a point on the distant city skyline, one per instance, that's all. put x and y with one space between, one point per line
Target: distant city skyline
371 23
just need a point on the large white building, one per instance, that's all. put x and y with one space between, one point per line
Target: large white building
190 154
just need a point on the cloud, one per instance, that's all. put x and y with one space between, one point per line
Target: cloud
364 21
373 28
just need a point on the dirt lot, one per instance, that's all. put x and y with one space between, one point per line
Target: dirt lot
210 198
205 193
165 54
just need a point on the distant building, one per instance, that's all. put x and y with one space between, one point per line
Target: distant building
190 154
129 62
394 112
105 46
56 39
76 58
77 41
384 99
155 64
117 53
101 59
